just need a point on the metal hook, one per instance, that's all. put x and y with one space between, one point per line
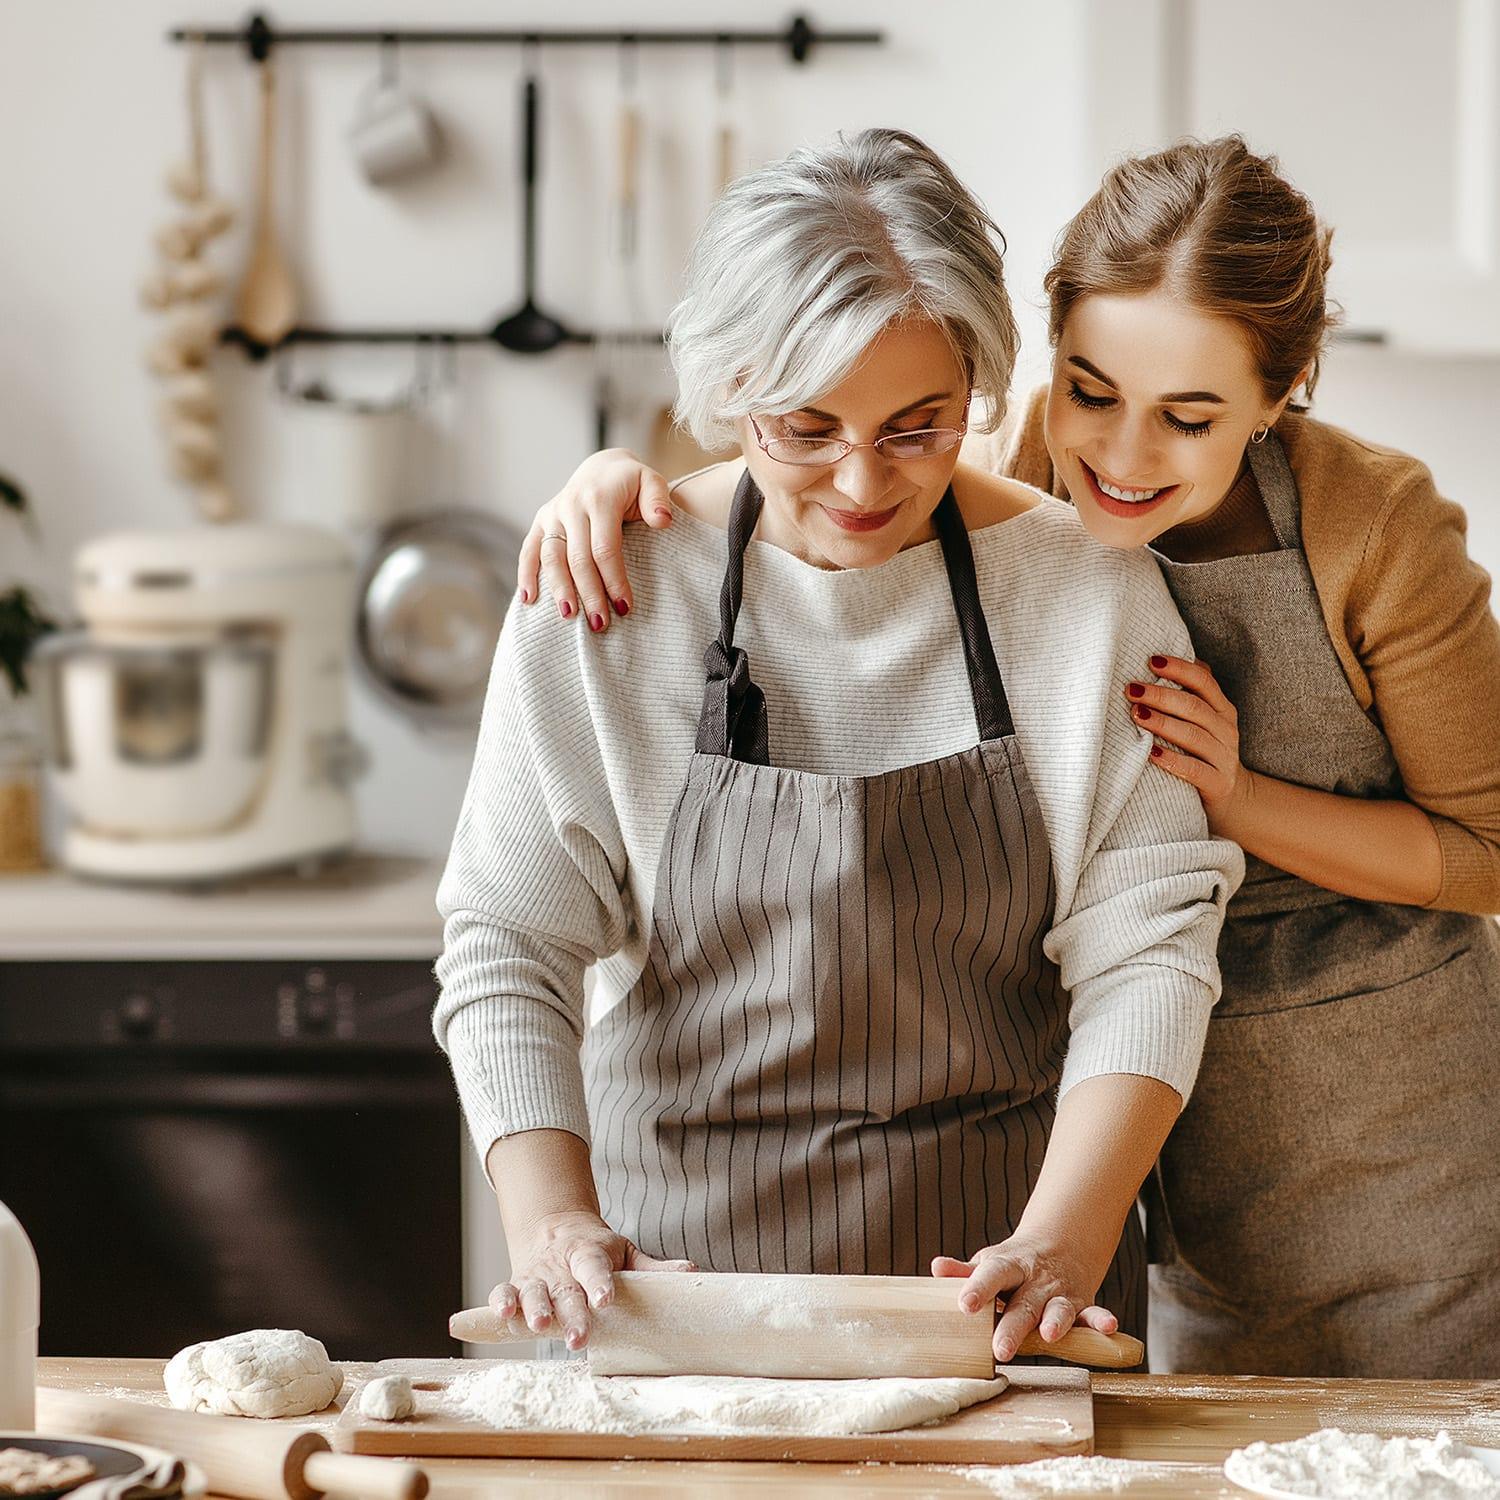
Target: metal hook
724 66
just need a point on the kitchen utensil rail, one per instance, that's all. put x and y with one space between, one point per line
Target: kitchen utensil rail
258 37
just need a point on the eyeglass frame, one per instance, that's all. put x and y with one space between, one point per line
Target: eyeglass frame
763 443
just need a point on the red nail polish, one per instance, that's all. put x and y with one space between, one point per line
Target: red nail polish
566 608
1136 690
1141 711
1157 752
596 622
622 607
1157 663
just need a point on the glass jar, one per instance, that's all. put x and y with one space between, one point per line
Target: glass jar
20 800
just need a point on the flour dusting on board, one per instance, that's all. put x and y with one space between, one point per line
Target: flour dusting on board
1336 1465
1071 1476
562 1396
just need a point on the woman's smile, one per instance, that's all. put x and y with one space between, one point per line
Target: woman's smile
1122 500
860 520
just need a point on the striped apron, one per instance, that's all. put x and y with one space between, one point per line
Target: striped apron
1329 1202
843 1051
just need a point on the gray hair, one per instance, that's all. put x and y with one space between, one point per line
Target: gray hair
802 264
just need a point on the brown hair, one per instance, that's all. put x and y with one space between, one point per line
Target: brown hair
1219 225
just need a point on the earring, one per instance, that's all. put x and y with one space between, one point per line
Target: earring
1259 435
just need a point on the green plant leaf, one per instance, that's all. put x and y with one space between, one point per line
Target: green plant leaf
22 624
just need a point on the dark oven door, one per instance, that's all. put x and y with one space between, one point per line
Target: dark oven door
200 1148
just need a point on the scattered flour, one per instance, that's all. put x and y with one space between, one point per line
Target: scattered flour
1336 1465
1069 1476
564 1396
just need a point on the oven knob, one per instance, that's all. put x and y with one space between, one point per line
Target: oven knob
138 1017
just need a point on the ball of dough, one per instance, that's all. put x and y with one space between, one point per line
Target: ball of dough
387 1399
266 1372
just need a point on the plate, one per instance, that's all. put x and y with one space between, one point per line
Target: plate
1234 1467
110 1460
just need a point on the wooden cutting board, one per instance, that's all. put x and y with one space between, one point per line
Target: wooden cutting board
1046 1413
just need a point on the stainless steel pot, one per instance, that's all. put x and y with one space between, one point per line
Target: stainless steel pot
166 736
431 603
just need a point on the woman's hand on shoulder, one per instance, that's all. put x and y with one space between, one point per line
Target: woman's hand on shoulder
1040 1284
564 1268
575 540
1198 736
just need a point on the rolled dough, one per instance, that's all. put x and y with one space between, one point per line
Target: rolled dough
264 1372
563 1396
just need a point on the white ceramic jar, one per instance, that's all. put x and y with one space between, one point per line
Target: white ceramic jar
20 1313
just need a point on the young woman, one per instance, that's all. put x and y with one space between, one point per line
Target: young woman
1329 1203
897 961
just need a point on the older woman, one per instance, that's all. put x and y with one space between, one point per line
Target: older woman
903 961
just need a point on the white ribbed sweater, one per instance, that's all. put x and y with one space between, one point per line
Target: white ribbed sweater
585 740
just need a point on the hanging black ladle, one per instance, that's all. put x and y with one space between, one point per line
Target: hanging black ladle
529 330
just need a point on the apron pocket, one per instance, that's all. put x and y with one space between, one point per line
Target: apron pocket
1345 1146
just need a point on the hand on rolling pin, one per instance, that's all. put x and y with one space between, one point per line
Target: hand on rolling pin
1037 1283
563 1267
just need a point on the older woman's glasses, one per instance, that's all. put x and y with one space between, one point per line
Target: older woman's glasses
819 452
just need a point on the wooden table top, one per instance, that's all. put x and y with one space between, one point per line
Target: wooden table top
1176 1429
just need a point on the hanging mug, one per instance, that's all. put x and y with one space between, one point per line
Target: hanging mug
393 133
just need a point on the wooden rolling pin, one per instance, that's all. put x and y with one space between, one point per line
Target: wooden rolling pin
828 1327
239 1456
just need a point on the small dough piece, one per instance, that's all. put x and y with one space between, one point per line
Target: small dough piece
265 1372
23 1471
388 1398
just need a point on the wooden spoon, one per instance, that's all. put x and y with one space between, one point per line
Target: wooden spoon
267 305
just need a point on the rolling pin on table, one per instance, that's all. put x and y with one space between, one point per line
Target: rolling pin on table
240 1456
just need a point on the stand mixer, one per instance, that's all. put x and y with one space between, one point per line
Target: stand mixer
197 723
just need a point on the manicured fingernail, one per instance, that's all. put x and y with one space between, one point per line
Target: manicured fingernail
662 515
1136 690
1157 663
525 596
566 607
622 607
1141 711
596 622
1157 752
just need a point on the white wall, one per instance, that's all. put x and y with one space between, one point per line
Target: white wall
91 114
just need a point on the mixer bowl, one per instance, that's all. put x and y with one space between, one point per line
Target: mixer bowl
166 737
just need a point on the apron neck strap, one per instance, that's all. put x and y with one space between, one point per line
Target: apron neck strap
986 686
733 721
1278 490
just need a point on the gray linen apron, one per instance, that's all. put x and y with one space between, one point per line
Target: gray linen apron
844 1049
1332 1191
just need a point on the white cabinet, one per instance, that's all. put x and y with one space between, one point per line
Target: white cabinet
1385 112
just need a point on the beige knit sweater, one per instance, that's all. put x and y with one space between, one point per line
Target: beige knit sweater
1406 608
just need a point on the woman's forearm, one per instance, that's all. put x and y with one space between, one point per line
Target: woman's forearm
1373 850
540 1174
1108 1132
